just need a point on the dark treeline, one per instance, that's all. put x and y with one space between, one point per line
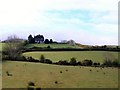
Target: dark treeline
72 62
66 49
39 39
15 47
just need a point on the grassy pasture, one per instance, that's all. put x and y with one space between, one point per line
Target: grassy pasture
1 46
97 56
45 75
0 75
51 45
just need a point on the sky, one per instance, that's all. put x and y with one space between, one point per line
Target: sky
91 22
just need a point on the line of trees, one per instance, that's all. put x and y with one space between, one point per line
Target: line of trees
39 39
14 46
73 61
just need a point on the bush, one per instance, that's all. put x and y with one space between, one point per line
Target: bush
42 59
73 61
56 82
79 63
111 63
48 46
96 64
66 70
25 43
107 62
48 61
35 60
30 59
21 58
60 71
31 83
115 63
63 62
8 74
87 62
90 70
5 57
17 58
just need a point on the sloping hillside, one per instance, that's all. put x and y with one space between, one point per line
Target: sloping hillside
53 76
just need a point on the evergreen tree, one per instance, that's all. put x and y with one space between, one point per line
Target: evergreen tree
31 39
51 41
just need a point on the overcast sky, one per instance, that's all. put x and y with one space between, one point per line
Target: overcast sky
92 22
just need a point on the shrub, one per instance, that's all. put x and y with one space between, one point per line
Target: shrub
63 62
5 57
48 46
66 70
21 58
8 74
115 63
96 64
30 59
31 83
87 62
56 82
60 71
25 43
73 61
111 63
42 59
48 61
17 58
107 62
110 60
90 70
79 63
35 60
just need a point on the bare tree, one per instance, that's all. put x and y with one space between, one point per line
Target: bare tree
71 42
13 46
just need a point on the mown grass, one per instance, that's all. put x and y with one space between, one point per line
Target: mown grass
51 45
97 56
49 76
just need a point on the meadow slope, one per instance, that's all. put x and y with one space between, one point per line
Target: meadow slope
97 56
51 45
45 75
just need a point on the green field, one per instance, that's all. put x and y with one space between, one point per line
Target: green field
51 45
45 75
97 56
0 75
1 46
